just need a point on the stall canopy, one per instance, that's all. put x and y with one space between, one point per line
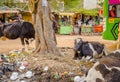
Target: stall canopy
66 14
9 11
4 9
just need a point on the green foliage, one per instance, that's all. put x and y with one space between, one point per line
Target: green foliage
9 3
68 4
87 12
74 6
13 4
54 5
71 3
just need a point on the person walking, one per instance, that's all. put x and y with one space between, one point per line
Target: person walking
79 24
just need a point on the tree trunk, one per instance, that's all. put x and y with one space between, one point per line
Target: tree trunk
45 36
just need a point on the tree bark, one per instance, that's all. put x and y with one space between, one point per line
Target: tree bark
45 36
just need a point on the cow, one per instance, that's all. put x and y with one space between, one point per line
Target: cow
88 49
107 69
14 30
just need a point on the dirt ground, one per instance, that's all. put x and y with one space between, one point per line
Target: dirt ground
57 65
62 41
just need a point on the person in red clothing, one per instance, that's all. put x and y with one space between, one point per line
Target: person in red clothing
112 12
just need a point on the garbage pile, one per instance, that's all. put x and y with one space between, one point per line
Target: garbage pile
15 68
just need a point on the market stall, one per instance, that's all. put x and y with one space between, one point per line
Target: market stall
7 13
66 29
86 29
66 26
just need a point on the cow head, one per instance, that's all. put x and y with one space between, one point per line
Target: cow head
77 48
78 44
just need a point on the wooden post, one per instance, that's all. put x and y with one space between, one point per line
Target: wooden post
118 43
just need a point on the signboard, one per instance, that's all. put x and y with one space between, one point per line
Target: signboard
101 12
118 11
111 20
90 4
114 2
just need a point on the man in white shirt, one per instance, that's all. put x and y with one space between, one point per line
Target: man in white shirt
79 25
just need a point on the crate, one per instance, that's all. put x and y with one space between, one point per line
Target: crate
98 28
86 29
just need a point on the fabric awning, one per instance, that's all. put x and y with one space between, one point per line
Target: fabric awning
66 14
9 11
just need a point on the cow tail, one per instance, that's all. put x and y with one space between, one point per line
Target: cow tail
74 44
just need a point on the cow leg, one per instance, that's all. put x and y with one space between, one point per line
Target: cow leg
80 55
76 55
27 44
26 40
22 42
89 58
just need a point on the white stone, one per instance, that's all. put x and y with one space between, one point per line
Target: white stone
22 67
46 68
22 81
29 74
77 79
14 76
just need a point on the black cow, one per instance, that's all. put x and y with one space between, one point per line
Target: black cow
88 49
14 30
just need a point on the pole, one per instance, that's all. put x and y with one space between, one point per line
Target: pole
118 43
